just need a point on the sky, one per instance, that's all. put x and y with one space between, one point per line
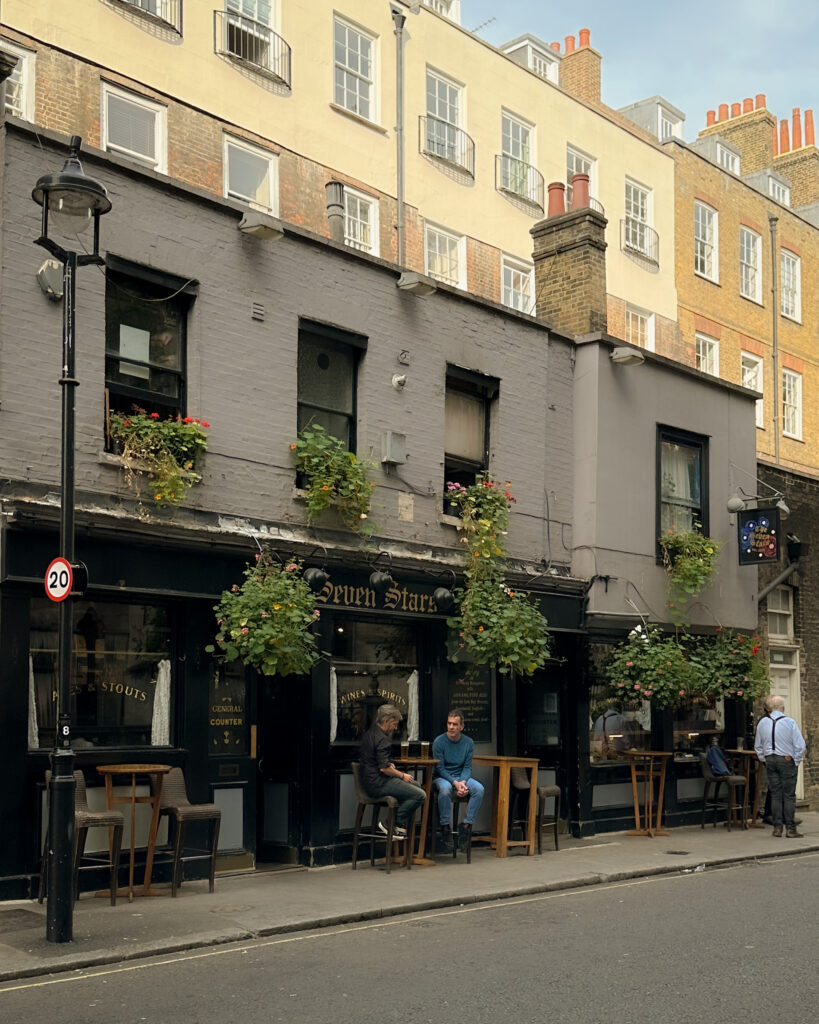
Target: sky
696 53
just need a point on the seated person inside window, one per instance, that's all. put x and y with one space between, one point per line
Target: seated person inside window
611 734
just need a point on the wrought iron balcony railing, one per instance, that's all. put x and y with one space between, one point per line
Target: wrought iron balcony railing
519 179
252 43
447 142
168 12
635 236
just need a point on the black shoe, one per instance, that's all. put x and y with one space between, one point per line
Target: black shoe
446 839
777 831
793 833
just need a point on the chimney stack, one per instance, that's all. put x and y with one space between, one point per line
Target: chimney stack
810 138
570 263
580 68
797 128
784 141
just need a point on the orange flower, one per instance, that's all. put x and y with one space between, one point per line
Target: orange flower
293 447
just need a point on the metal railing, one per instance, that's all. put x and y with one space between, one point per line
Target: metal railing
635 236
447 142
250 42
519 178
596 205
169 12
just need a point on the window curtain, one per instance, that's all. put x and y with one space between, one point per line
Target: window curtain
33 728
412 706
680 486
161 721
333 704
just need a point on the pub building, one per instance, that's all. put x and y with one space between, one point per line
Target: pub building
255 344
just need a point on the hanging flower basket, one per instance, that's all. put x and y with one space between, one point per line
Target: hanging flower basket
267 621
497 625
733 665
689 559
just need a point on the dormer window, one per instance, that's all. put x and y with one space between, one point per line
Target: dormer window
727 158
779 191
668 126
449 8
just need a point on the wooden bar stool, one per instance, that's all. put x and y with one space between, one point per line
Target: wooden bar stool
521 785
377 802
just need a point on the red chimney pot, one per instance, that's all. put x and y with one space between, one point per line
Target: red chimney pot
723 112
710 118
569 44
747 105
810 138
585 36
580 191
797 128
736 109
557 198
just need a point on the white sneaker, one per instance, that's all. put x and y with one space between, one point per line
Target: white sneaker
397 833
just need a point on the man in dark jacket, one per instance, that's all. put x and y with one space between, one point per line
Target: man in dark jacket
380 777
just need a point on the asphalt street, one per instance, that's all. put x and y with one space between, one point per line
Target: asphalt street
730 945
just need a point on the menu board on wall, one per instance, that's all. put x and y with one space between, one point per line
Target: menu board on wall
474 697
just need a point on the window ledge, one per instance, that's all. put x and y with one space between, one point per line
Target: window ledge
750 298
792 319
358 119
705 277
446 520
793 437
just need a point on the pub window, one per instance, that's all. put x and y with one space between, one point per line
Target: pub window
468 402
372 664
327 378
145 337
696 724
682 499
616 725
121 675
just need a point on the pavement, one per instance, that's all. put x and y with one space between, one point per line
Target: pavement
250 905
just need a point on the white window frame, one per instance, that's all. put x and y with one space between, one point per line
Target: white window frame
639 215
707 353
706 241
578 162
544 65
371 83
781 193
457 280
23 78
522 149
674 130
782 600
752 373
792 404
250 9
518 284
728 159
449 8
263 155
640 327
790 284
160 161
352 237
750 264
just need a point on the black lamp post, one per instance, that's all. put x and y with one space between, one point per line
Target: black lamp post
74 202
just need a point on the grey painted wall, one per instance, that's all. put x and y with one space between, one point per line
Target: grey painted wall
617 412
241 374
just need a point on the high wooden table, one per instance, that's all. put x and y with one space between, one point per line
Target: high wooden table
646 767
750 762
158 771
502 765
426 765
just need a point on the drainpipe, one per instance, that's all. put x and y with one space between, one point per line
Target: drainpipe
775 337
335 209
399 18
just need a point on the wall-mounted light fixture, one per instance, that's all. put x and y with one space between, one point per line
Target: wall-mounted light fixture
625 355
261 225
315 578
380 581
738 502
418 284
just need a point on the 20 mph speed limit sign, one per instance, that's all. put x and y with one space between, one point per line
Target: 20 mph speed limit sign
58 579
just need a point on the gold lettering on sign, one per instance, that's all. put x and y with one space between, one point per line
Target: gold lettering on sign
396 598
124 691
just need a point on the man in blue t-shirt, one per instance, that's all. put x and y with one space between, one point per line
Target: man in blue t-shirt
453 775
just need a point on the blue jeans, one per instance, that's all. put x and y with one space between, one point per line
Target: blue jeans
409 798
782 774
445 800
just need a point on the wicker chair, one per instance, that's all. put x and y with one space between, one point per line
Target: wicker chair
521 785
376 802
174 803
84 819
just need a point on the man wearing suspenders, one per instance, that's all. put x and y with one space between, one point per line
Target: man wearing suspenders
780 744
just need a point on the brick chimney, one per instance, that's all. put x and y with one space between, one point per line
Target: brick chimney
749 126
799 162
570 264
580 68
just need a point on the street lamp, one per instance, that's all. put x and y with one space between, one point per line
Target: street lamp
74 202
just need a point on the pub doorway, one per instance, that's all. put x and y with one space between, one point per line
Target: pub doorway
283 716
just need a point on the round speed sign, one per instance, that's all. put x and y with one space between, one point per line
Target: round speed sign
58 579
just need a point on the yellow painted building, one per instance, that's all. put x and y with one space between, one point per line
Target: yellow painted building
288 94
